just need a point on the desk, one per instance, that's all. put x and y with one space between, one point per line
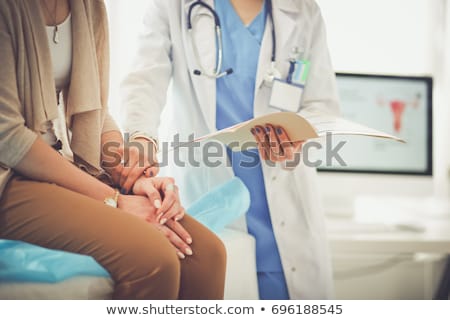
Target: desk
347 236
435 238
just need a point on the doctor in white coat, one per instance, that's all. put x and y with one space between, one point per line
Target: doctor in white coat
172 89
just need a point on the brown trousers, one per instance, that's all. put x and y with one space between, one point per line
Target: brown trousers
140 260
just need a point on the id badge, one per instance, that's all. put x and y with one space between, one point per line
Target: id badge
286 96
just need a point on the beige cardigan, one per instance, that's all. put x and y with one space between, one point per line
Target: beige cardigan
27 92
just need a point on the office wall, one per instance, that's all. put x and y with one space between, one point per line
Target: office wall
382 36
125 20
406 37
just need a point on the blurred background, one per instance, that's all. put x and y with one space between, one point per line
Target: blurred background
388 223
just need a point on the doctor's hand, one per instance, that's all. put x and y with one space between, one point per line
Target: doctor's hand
274 145
141 207
163 194
138 159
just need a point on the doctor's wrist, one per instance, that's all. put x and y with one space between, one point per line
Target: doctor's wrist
145 138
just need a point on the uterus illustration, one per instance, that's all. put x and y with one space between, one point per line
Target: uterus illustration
398 107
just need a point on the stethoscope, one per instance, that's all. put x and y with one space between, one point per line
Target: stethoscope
217 72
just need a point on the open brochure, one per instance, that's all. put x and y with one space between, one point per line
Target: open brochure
298 127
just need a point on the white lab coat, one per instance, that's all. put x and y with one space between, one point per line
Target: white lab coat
161 83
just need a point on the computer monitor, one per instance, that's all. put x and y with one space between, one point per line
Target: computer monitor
399 105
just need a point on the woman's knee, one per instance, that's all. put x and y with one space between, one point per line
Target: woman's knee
152 255
206 245
148 270
139 249
204 276
214 251
220 252
164 273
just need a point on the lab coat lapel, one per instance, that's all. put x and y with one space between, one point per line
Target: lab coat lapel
285 15
264 55
203 33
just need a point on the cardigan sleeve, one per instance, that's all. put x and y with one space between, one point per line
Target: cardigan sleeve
101 31
109 124
15 138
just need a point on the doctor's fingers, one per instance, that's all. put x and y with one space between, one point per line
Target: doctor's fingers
276 151
298 146
116 173
286 144
136 167
262 141
152 170
113 164
291 164
130 159
174 234
129 176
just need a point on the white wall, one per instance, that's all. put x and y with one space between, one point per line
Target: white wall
405 37
125 19
383 36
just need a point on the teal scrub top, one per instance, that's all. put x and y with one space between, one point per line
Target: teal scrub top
235 96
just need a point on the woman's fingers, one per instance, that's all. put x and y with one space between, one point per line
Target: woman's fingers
154 196
163 194
176 240
180 215
180 231
172 211
171 205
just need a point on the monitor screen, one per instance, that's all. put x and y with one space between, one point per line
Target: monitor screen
398 105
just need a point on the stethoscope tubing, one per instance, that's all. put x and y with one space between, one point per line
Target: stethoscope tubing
217 73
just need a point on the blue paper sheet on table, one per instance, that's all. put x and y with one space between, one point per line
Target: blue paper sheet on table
24 262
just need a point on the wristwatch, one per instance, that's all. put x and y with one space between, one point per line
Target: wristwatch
112 201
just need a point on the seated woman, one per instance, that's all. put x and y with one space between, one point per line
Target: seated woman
52 183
